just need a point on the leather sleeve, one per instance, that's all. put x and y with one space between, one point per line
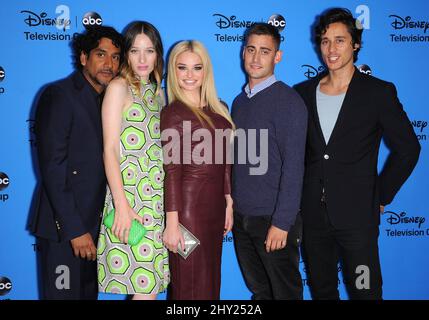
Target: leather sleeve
172 135
227 180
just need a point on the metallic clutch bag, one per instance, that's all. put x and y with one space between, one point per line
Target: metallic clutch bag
191 242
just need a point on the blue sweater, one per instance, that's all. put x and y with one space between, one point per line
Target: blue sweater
277 192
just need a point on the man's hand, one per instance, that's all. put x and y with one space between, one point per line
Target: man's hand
381 209
276 239
84 247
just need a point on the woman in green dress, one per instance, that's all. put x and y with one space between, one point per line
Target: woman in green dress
133 164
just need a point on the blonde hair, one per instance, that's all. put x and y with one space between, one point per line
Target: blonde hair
132 31
208 89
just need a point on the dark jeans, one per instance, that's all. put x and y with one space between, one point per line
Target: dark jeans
357 249
269 276
64 276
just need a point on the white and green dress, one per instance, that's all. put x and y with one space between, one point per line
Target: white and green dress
142 268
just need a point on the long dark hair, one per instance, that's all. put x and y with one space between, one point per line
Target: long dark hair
130 33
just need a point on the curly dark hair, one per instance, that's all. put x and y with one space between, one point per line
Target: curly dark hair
89 40
345 17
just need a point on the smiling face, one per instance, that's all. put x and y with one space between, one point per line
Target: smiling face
189 72
260 56
337 48
101 65
142 56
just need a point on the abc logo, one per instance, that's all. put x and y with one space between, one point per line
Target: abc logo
91 19
2 74
4 181
277 21
363 68
5 286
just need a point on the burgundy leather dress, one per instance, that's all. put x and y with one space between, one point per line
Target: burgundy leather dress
197 191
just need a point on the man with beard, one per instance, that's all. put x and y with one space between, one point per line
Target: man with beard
72 185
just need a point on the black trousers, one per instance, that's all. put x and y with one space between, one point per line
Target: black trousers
269 276
356 249
62 276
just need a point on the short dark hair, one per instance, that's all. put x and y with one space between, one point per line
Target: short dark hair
89 40
262 28
345 17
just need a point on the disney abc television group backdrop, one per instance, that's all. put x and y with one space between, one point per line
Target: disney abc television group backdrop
35 37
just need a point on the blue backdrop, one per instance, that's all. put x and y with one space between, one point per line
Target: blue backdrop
35 50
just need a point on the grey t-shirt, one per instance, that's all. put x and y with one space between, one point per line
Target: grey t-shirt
328 108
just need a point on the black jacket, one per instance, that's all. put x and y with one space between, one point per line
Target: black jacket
346 167
71 192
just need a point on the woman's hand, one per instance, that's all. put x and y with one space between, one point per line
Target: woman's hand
172 236
229 217
116 99
124 216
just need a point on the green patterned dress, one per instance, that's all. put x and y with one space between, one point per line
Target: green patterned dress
142 268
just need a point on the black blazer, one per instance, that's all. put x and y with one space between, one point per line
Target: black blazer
71 192
346 167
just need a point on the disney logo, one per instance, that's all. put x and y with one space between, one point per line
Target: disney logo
224 22
401 23
395 218
311 72
420 124
33 19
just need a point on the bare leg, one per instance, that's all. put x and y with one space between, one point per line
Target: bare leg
144 297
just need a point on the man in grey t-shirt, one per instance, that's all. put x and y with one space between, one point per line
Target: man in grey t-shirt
349 113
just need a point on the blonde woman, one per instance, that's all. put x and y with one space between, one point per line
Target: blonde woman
133 163
197 187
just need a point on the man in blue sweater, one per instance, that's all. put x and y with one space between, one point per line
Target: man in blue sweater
267 227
